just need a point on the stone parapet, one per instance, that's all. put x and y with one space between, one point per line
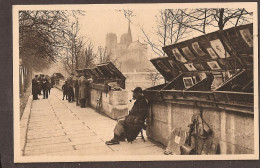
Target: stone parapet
234 130
113 103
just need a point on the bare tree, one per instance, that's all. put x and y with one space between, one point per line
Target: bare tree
154 76
202 18
90 56
168 31
104 55
75 46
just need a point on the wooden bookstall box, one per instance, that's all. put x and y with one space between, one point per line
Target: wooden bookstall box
213 72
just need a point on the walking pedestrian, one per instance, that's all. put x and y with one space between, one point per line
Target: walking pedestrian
35 87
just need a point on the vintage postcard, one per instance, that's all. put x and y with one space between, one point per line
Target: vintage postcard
108 82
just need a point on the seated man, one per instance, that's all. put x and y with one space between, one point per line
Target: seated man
130 125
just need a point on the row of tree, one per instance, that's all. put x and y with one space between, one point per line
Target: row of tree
47 36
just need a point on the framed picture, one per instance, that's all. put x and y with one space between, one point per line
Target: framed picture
214 65
212 53
188 53
172 64
178 55
197 49
190 67
188 82
199 66
219 48
202 75
247 37
162 66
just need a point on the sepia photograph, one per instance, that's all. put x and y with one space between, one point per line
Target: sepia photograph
111 82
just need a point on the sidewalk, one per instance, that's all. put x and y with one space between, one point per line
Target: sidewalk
58 128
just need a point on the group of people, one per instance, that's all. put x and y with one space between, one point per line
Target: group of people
77 89
41 85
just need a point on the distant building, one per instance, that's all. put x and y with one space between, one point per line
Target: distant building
130 57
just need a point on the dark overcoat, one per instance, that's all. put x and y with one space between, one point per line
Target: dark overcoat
83 87
35 86
134 122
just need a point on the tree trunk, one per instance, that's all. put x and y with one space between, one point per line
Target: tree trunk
221 21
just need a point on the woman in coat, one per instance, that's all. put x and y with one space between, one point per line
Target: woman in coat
83 90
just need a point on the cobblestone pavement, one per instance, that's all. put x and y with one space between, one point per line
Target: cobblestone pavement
56 127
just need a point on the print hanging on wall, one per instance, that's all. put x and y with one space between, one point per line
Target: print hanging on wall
162 66
214 65
188 82
197 49
246 35
219 48
188 53
190 67
212 53
178 55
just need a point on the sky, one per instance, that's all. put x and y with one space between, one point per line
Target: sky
97 23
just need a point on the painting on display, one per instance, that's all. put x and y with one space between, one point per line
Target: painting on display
219 48
178 55
190 67
162 66
188 82
202 75
199 66
214 65
217 81
247 37
188 53
197 49
212 53
171 64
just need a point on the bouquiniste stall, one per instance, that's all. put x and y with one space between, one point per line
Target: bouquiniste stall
107 90
211 75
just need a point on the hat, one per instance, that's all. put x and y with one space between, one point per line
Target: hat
138 90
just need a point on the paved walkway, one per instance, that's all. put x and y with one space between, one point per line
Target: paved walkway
56 127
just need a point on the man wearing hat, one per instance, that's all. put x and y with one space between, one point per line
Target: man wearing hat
76 87
35 87
70 88
130 125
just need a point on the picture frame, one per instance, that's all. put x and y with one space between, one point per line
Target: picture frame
188 53
188 82
162 66
247 37
202 75
197 49
212 53
190 67
219 48
178 55
214 65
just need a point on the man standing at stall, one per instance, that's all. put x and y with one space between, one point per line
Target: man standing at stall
83 90
70 88
129 126
35 87
45 87
76 87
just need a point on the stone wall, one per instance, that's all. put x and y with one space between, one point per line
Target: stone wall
113 103
234 130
